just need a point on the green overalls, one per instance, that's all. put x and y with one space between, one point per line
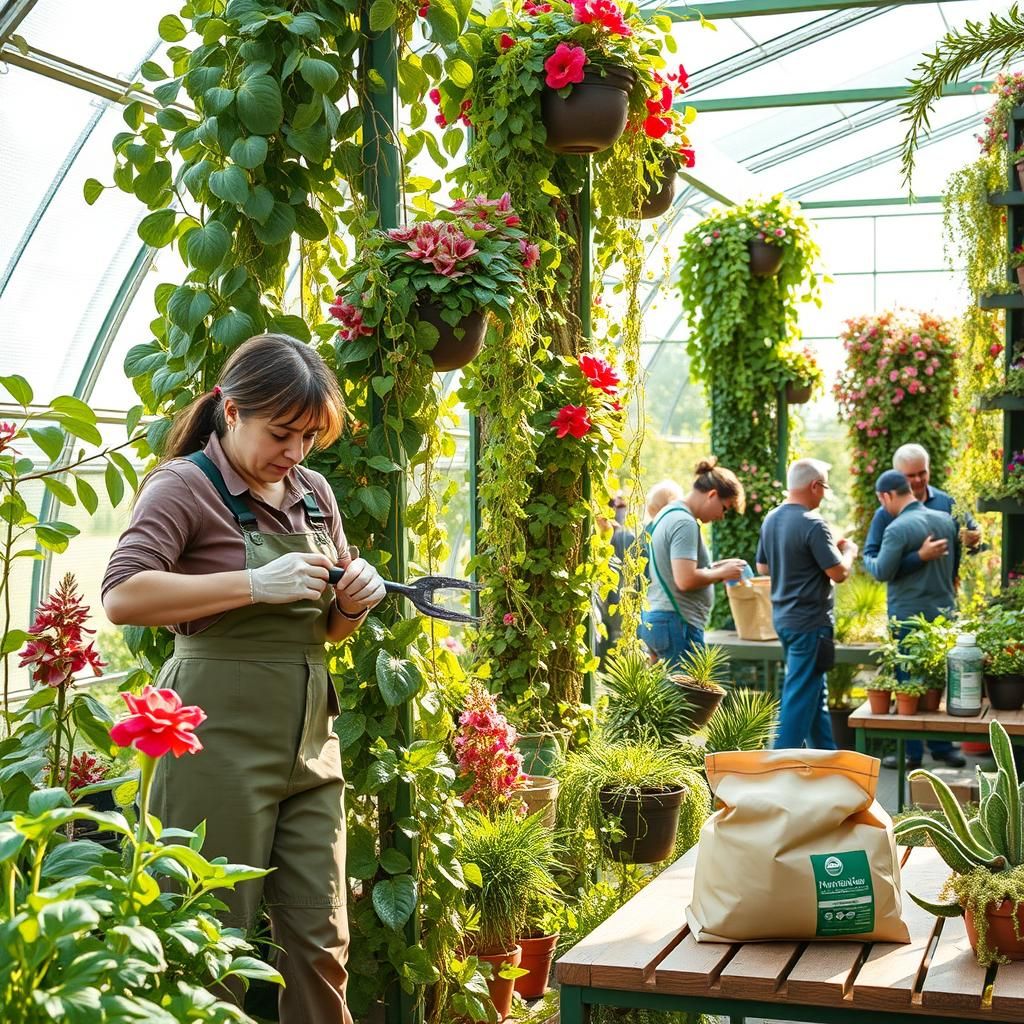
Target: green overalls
268 781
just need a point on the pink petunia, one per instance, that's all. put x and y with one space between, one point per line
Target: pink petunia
565 66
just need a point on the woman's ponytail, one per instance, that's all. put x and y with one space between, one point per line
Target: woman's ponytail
193 426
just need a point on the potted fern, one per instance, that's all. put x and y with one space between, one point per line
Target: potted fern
627 793
985 853
514 857
700 675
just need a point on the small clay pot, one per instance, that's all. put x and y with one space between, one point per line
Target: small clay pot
538 955
1001 934
879 700
797 394
592 116
456 346
661 191
501 989
906 703
765 259
931 700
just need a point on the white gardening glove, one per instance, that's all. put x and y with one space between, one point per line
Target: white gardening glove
360 588
297 576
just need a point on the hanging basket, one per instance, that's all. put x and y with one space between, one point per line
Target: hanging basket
456 346
765 259
592 116
658 202
798 394
649 820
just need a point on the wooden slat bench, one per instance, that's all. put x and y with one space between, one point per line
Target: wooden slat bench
643 956
929 725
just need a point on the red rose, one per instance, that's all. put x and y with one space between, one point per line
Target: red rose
159 724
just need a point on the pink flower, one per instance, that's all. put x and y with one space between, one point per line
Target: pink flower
894 375
350 317
600 375
920 354
509 618
533 9
565 66
485 748
602 11
159 724
7 432
572 419
530 253
435 96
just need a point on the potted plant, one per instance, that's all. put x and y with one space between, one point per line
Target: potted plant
880 694
514 857
447 275
1001 639
643 701
770 237
544 916
923 649
1017 161
806 375
985 853
700 675
627 794
1017 265
486 755
908 694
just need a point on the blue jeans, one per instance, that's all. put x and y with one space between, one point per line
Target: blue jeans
669 636
804 716
915 748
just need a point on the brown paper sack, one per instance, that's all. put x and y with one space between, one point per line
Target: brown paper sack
751 606
798 848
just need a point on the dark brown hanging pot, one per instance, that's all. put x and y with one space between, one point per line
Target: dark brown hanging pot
798 394
765 259
649 820
661 192
592 116
456 346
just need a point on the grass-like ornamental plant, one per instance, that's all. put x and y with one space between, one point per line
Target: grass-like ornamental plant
642 701
706 667
745 721
986 852
515 857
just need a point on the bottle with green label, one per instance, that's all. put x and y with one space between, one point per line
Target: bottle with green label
963 677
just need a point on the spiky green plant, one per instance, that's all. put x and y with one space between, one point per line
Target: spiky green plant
643 701
706 666
515 857
745 721
985 852
860 610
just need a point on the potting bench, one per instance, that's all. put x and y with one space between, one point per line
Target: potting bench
929 725
768 653
644 957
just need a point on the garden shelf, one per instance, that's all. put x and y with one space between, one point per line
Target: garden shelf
1008 403
1006 199
1008 506
1013 300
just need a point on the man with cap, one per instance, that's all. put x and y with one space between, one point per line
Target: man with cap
929 591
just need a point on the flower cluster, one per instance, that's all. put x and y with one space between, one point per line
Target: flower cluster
351 319
58 649
763 491
86 770
1017 256
464 108
159 724
1009 93
485 751
897 386
803 368
1013 487
665 123
441 244
604 13
8 431
599 375
775 221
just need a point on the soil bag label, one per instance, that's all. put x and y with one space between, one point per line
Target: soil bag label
846 899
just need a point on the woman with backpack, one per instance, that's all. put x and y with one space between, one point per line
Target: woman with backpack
683 577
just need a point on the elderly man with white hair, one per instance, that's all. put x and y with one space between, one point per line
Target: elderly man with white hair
805 561
914 462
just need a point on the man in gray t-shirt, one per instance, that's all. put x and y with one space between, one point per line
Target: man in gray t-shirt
797 548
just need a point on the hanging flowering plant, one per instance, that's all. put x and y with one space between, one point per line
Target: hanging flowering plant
897 386
486 753
470 258
803 368
1009 93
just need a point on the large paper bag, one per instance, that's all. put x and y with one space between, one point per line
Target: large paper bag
751 606
797 849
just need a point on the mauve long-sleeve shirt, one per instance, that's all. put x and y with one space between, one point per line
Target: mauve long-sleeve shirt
181 524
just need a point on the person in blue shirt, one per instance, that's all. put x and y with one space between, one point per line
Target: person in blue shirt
913 461
797 549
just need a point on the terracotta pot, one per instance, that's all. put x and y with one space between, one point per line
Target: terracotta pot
540 752
1020 174
592 116
538 955
906 703
1020 278
541 794
765 259
649 820
1005 693
797 394
456 346
1001 934
501 989
931 700
976 749
662 191
704 702
842 732
879 701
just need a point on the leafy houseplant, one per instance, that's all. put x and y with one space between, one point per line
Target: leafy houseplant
985 853
806 377
643 702
1017 264
622 800
1000 635
1017 161
544 918
908 693
513 859
448 272
700 674
1012 484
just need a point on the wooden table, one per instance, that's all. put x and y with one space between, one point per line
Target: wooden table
643 956
930 725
